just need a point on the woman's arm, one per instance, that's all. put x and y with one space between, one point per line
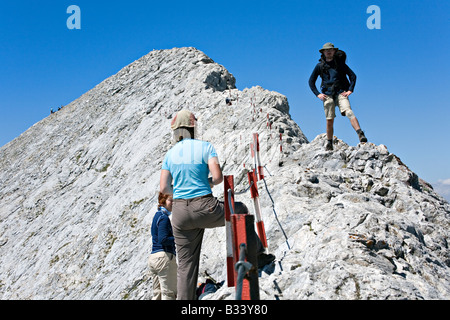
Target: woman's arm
165 182
216 172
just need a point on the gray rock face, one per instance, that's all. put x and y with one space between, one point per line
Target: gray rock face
362 226
78 194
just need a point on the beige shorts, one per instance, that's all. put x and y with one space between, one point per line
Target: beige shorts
329 106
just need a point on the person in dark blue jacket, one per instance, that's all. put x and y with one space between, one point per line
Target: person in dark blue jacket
162 261
336 89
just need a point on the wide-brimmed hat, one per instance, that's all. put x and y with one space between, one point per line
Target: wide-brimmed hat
326 46
183 119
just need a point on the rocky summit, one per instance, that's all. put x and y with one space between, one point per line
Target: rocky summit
78 193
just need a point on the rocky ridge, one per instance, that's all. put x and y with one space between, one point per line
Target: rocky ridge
78 193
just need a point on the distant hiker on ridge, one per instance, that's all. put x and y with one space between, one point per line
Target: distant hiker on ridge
336 89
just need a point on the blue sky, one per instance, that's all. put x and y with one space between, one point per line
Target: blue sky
401 97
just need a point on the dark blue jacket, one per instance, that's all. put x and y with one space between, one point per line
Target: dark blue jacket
162 234
334 78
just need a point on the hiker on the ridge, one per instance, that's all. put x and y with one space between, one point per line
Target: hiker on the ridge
188 165
162 261
336 88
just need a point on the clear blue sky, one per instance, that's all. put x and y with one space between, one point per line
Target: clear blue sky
401 97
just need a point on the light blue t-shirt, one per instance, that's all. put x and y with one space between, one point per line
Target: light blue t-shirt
187 162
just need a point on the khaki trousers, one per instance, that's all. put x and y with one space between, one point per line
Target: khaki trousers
189 219
163 266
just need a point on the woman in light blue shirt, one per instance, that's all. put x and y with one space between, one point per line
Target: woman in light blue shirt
187 165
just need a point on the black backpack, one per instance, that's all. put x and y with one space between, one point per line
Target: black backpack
340 56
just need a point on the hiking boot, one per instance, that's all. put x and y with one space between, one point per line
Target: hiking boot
362 137
329 145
